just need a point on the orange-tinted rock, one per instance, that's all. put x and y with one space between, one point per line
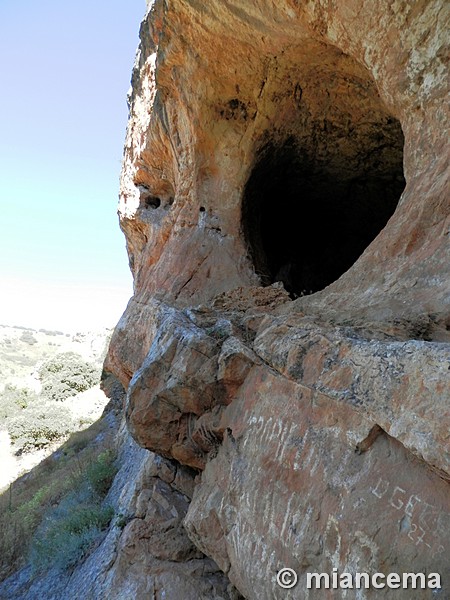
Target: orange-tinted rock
304 145
287 489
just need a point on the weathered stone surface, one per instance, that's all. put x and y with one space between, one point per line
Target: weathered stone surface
330 81
304 145
402 386
287 489
175 400
297 422
191 373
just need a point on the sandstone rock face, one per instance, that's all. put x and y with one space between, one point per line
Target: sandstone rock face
301 147
197 362
153 556
317 443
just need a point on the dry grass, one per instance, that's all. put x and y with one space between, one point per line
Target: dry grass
24 504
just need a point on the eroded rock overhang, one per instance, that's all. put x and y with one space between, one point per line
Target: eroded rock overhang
227 81
245 116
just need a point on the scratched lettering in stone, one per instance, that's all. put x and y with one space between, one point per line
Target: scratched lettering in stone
273 431
247 545
422 522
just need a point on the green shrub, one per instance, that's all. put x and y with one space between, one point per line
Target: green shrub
122 520
67 374
101 472
70 530
38 426
23 506
61 550
29 512
86 517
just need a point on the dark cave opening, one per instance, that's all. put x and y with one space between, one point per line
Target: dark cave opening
307 221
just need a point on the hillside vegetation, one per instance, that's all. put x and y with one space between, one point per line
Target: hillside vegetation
50 408
48 389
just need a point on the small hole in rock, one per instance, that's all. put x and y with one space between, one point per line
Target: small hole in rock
152 202
202 209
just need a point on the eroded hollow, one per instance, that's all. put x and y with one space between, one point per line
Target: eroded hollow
319 194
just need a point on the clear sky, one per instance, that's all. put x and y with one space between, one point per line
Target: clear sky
65 70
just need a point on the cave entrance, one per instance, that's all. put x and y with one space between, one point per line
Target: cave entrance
307 215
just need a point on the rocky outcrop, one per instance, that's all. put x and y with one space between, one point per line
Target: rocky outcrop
198 360
285 203
301 429
151 553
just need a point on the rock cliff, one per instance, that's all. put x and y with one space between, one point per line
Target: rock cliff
285 202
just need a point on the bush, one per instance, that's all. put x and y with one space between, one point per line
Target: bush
67 374
56 548
69 531
28 338
38 426
100 473
13 400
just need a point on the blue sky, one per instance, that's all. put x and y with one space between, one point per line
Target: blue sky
65 70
